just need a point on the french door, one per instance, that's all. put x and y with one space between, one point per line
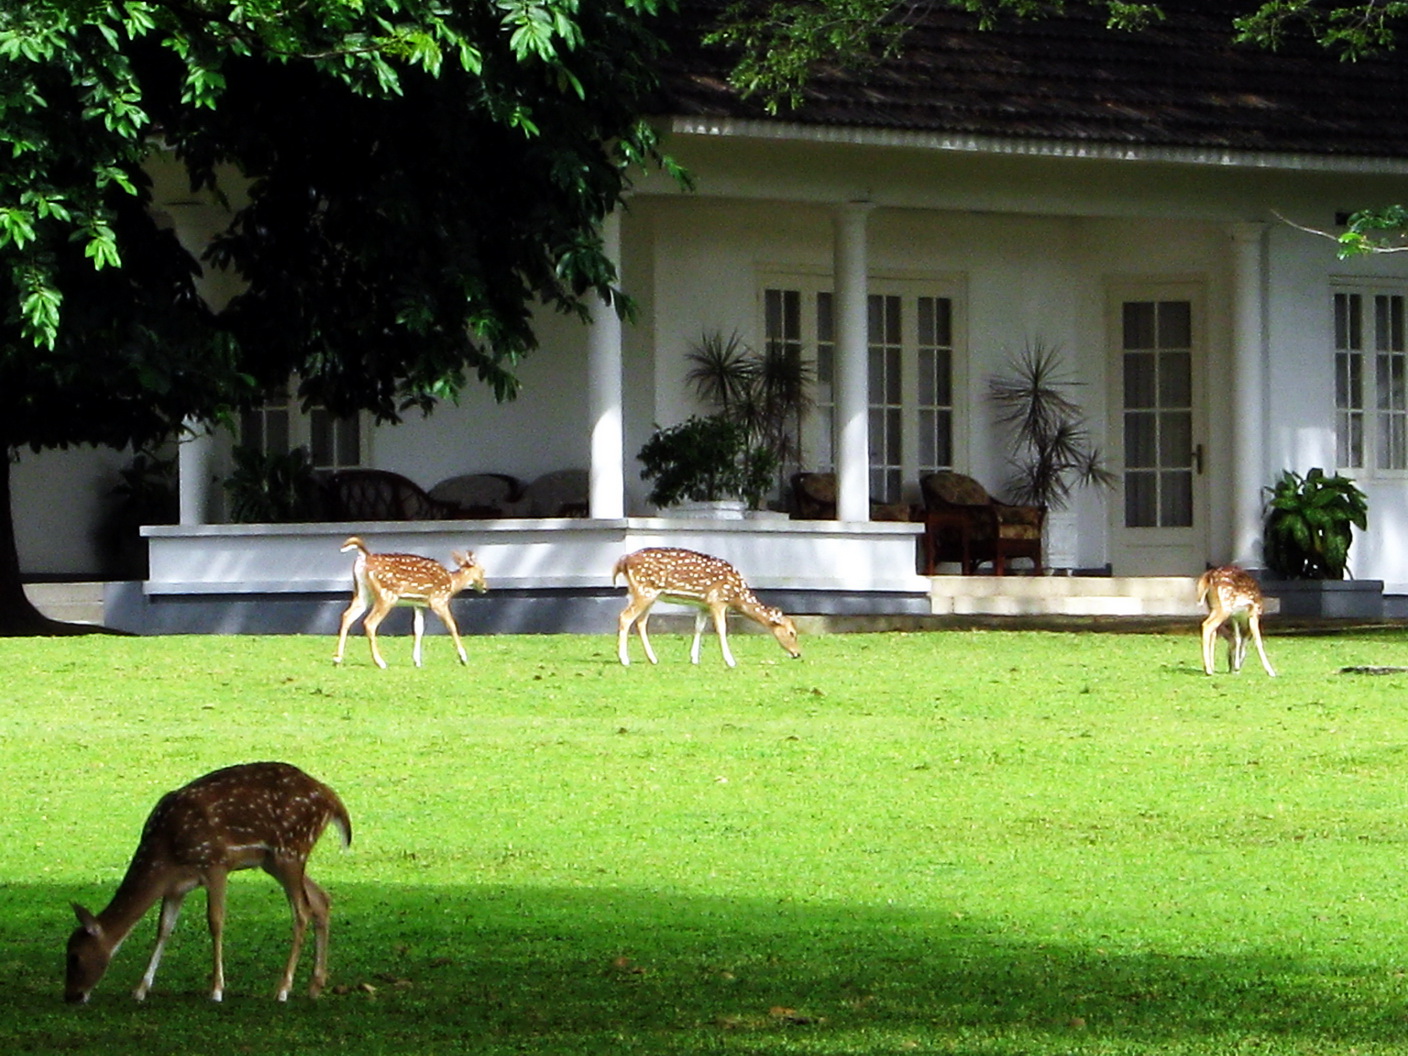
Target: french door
1156 337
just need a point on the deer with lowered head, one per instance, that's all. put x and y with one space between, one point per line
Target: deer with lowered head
1235 608
267 815
709 583
383 581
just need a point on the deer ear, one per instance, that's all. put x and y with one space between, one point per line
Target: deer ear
89 922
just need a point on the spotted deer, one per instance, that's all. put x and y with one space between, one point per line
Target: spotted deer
1235 608
383 581
693 579
267 815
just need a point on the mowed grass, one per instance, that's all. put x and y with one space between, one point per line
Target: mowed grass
961 842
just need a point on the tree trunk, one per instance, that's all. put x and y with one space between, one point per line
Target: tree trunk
18 616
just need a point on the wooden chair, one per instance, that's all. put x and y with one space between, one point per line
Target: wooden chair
963 523
379 495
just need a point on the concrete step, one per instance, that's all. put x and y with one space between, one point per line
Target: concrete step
1067 596
69 602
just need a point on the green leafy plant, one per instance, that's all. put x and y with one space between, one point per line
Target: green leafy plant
1310 524
1052 450
268 488
767 392
706 460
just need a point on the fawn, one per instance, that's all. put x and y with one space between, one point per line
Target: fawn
257 814
694 579
1234 608
384 581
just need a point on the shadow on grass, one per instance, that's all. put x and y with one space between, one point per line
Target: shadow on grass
451 969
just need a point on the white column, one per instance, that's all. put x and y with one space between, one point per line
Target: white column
852 364
607 496
195 455
1248 389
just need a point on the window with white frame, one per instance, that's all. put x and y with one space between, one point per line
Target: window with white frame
279 426
1371 381
912 339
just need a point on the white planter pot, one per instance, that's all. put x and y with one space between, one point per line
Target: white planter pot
1060 539
718 510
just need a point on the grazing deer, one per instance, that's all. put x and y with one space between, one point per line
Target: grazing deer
694 579
1234 608
384 581
259 814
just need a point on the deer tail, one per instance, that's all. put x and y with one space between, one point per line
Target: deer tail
1204 585
619 570
355 543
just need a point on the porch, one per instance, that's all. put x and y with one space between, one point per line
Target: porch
554 575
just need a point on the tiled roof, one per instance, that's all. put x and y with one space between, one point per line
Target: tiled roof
1182 83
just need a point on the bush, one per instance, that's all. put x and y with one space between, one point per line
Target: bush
706 460
1310 524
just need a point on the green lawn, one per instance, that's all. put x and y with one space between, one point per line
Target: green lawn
962 842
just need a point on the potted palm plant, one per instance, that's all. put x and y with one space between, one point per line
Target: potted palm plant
1052 452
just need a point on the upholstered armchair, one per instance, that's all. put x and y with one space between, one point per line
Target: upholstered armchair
963 523
814 496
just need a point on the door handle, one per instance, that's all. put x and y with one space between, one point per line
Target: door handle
1198 460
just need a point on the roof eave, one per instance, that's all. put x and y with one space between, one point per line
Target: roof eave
752 128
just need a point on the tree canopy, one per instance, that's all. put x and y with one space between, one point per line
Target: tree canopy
408 181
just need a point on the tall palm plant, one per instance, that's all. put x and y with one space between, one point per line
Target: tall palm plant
768 393
1052 451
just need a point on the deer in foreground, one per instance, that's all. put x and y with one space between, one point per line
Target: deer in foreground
693 579
258 814
1235 608
383 581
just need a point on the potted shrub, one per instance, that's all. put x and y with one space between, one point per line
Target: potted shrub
768 393
706 460
1309 527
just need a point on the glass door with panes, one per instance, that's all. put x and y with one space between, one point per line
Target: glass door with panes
1160 512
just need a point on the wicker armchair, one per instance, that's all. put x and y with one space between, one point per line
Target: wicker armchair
379 495
963 523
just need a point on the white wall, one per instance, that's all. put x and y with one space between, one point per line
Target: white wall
60 499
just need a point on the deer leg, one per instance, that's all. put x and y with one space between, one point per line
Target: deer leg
355 608
1254 625
215 920
321 907
721 626
644 636
701 620
442 609
636 612
418 624
295 887
1209 642
170 913
378 613
1238 646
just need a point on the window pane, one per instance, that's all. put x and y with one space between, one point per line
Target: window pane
1175 324
1139 440
1139 327
320 439
1176 439
825 318
1139 380
1175 379
1176 499
1140 500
